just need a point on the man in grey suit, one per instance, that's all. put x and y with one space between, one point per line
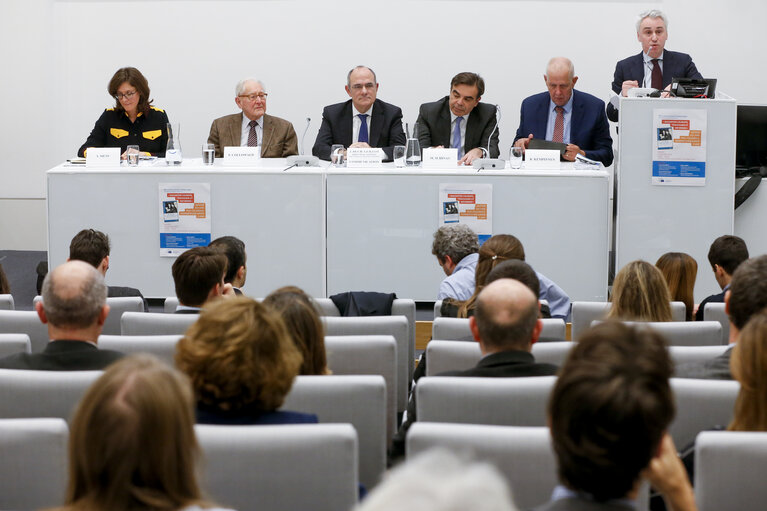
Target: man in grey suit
609 413
74 308
253 126
460 121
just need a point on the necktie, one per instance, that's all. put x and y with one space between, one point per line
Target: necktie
657 75
252 136
457 136
363 137
559 124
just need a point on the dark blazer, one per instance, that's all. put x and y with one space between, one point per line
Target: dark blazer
576 504
63 355
251 415
280 140
589 128
186 311
717 298
385 128
434 126
718 368
675 65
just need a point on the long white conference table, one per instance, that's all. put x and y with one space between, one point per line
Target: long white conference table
331 230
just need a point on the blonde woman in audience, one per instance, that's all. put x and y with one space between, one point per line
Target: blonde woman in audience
132 444
242 364
679 270
640 293
749 367
304 326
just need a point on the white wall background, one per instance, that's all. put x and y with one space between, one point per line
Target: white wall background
58 56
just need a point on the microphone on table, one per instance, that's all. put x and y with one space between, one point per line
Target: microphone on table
486 162
300 160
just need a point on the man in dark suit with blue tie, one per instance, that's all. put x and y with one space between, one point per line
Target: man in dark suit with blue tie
655 66
566 115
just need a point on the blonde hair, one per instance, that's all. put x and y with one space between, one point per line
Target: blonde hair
679 270
640 293
749 367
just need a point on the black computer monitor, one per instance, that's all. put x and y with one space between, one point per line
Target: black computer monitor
751 136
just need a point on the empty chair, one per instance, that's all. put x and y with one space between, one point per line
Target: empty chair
584 313
14 343
149 323
25 322
161 346
33 463
396 326
312 466
700 405
6 302
522 454
494 401
367 354
357 400
694 354
27 394
446 329
552 352
715 312
687 333
170 305
729 470
678 311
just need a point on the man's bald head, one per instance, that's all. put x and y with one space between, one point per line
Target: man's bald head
506 316
74 295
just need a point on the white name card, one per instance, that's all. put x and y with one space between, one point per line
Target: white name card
241 155
102 157
545 159
364 157
440 157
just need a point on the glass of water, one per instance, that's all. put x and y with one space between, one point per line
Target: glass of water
399 156
515 157
337 155
132 153
208 154
413 153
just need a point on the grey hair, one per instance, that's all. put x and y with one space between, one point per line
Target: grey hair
456 241
439 480
81 310
568 62
349 74
241 85
652 13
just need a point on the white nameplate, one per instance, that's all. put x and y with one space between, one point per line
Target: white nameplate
364 157
439 158
545 159
102 157
241 155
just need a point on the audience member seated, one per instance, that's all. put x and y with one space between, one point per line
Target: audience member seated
304 326
132 444
242 363
74 308
640 293
609 413
746 297
198 275
93 247
523 272
725 255
236 270
679 270
506 325
456 248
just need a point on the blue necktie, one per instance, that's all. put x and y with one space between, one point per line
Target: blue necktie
363 137
457 136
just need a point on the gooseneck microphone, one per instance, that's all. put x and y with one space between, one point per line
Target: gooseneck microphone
486 162
300 160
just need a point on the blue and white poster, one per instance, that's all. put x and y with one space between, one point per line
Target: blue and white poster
679 147
184 210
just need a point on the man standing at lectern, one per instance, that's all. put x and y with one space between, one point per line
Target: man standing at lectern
566 115
655 66
253 126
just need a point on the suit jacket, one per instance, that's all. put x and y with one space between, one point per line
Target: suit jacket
589 128
251 415
434 126
576 504
385 128
717 298
675 65
63 355
279 139
718 368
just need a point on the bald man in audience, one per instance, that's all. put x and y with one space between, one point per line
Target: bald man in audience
74 308
198 275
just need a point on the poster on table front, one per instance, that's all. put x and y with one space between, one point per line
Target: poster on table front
469 204
184 217
679 147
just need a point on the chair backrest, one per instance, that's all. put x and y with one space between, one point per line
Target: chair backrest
6 303
25 322
522 454
681 355
161 346
700 405
584 313
716 312
169 307
396 326
438 309
450 329
28 394
33 463
552 352
306 466
156 323
687 333
498 401
358 400
729 470
678 311
444 356
118 306
11 344
368 354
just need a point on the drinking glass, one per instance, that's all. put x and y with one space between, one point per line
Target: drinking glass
413 153
399 156
337 155
132 153
515 157
208 154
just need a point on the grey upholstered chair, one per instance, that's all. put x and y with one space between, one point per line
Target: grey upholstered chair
716 312
11 344
447 329
25 322
701 405
156 323
6 302
29 394
161 346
